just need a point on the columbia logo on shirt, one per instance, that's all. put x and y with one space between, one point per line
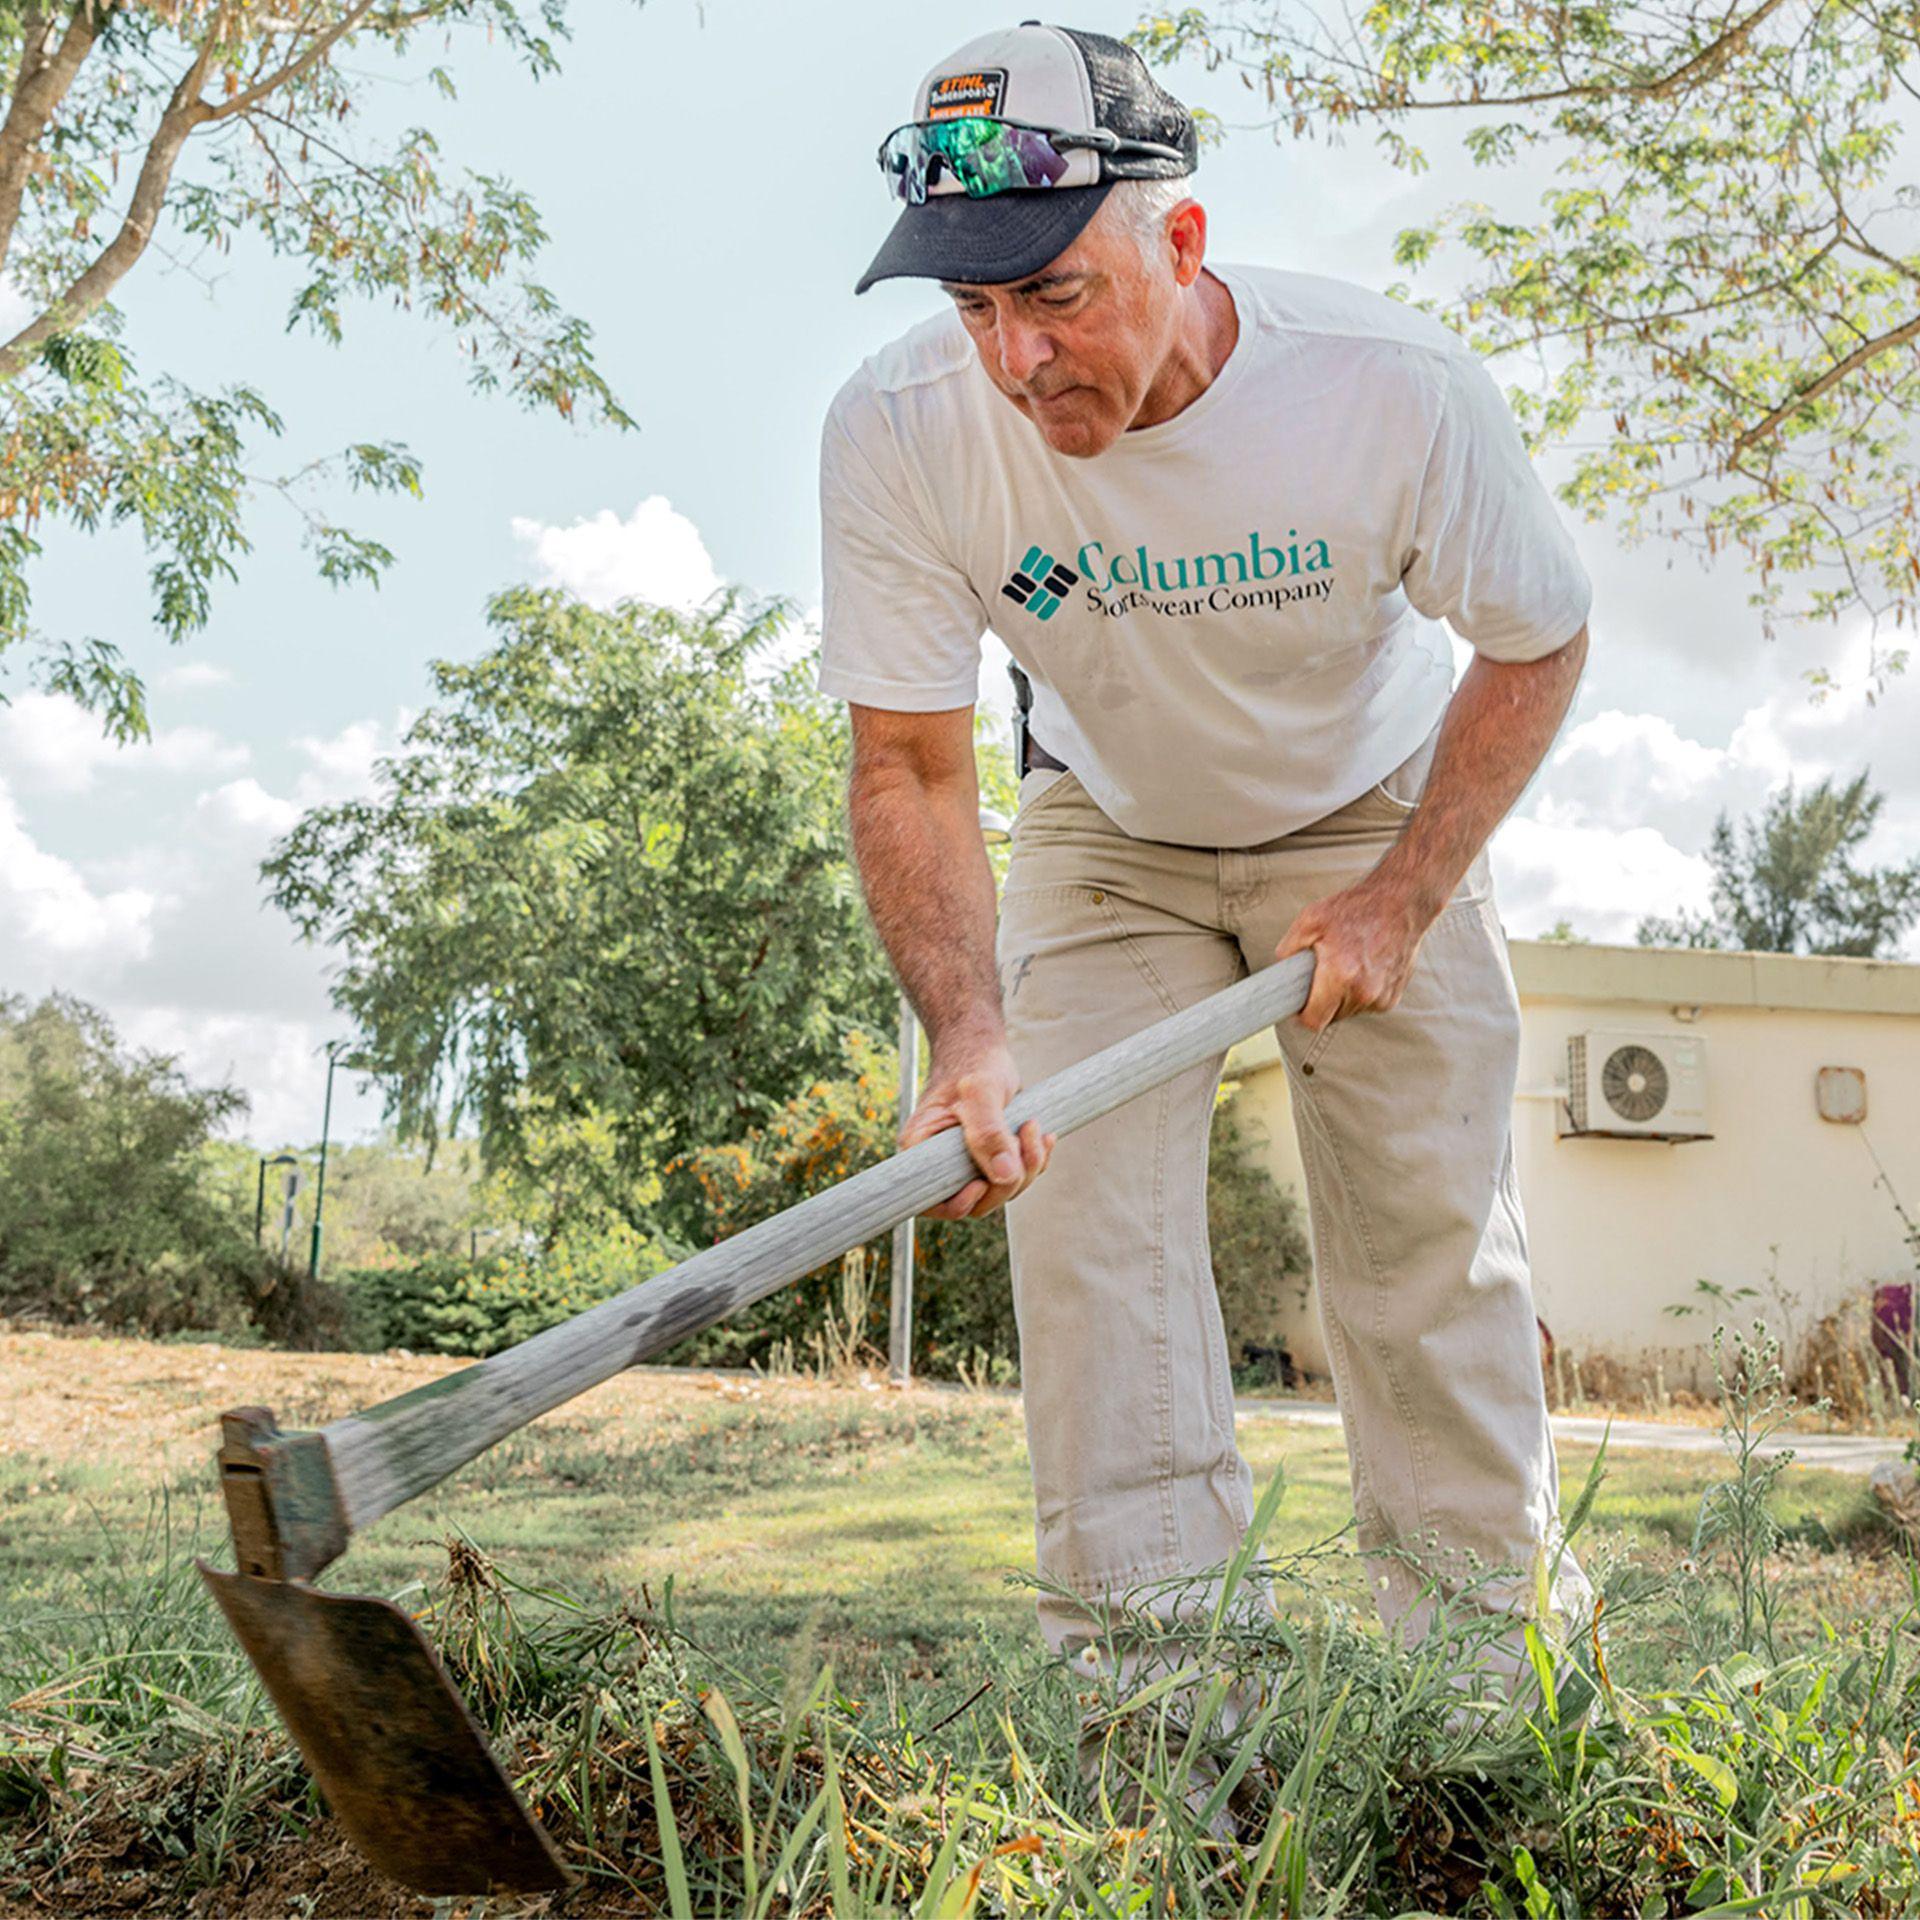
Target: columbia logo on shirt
1038 584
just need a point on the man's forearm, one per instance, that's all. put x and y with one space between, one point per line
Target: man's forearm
930 891
1497 730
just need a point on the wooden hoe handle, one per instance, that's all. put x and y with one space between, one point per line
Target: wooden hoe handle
295 1499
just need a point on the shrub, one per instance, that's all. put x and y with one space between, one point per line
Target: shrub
963 1291
1261 1261
108 1213
444 1304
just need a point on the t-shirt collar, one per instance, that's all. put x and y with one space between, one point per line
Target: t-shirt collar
1193 417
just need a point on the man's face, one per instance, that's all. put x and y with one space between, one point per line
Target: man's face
1076 346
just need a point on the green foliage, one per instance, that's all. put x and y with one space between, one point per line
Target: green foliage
1563 934
1256 1232
386 1203
445 1304
601 904
1785 881
227 125
1736 1521
963 1299
106 1213
962 1288
389 1203
1717 281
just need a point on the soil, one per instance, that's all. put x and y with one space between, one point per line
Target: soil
73 1395
154 1409
319 1877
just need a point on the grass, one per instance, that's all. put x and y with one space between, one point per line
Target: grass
787 1621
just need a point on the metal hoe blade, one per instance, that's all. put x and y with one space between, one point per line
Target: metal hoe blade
402 1762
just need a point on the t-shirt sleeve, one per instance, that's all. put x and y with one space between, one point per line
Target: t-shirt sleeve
900 624
1491 554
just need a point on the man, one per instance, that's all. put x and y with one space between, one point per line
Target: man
1217 515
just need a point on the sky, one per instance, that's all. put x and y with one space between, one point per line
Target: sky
705 175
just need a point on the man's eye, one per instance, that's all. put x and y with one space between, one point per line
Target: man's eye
1060 299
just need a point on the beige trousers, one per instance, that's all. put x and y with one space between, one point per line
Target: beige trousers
1419 1243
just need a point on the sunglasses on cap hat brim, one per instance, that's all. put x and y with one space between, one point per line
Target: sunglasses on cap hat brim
985 155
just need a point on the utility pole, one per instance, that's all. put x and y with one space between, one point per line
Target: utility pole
900 1317
995 831
337 1055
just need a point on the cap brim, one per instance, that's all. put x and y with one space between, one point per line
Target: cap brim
999 237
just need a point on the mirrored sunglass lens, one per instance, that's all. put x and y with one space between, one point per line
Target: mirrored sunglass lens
903 165
984 157
1041 162
988 156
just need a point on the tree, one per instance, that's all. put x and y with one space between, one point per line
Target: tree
601 904
231 121
384 1202
106 1210
1784 881
1724 308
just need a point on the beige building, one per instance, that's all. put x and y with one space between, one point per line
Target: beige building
1747 1119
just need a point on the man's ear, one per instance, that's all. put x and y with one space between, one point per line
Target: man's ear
1187 232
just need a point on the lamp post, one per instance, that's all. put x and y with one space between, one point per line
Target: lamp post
995 831
260 1190
337 1055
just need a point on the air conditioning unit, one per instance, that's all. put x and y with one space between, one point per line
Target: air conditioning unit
1637 1086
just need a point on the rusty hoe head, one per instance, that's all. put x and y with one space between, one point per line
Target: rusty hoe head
403 1764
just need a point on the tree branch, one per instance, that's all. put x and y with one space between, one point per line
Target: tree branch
184 112
1703 66
293 69
1871 350
39 87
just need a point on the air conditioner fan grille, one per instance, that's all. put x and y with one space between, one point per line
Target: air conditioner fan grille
1634 1083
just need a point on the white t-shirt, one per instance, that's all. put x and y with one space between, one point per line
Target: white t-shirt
1231 619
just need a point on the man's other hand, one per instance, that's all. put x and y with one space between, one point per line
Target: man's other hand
1364 941
972 1093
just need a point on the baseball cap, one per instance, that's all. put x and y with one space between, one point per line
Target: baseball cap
1060 78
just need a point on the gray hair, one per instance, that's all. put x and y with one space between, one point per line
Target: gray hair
1140 208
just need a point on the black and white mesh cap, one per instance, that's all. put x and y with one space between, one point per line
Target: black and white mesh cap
1057 77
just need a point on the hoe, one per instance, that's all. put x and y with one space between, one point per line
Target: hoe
401 1761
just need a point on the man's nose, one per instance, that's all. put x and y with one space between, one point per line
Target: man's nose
1024 349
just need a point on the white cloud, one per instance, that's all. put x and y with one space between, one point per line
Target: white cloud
244 810
171 934
1648 748
51 917
195 673
655 554
277 1062
1622 771
1616 822
51 743
1601 880
341 766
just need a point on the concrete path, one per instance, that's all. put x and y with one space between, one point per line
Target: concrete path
1838 1452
